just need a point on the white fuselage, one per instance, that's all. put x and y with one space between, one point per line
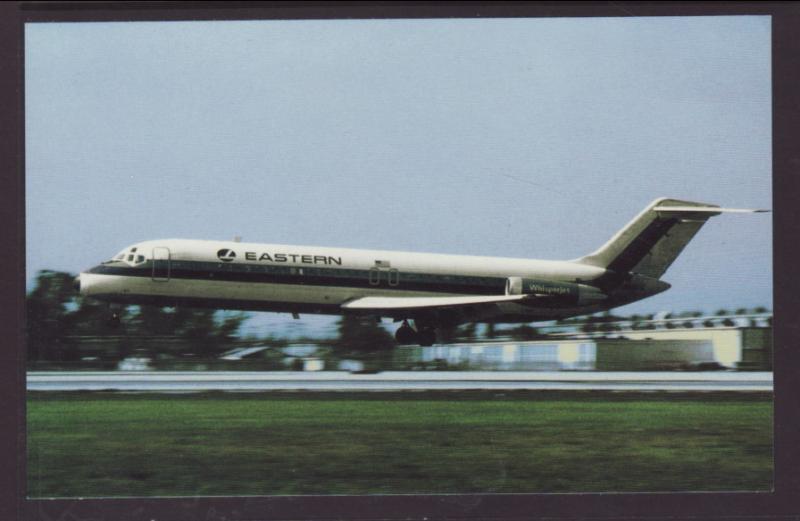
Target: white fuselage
275 277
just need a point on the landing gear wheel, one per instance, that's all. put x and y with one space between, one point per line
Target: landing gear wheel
405 335
426 337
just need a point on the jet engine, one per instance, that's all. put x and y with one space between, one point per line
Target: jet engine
562 293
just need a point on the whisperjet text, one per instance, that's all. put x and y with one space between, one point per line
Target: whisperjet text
293 257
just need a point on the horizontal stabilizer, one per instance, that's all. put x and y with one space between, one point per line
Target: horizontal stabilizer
705 209
401 303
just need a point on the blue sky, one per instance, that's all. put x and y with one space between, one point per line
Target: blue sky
532 138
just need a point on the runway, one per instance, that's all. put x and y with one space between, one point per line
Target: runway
165 381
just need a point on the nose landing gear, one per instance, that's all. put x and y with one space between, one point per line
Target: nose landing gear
114 316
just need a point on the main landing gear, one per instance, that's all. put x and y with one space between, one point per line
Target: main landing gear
405 334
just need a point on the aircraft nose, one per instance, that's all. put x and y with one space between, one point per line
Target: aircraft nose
76 283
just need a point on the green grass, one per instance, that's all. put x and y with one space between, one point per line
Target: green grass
98 444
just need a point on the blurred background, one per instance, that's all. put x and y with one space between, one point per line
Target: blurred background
68 331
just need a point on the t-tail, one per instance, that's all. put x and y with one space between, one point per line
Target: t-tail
651 242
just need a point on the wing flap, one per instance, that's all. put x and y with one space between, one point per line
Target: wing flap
409 303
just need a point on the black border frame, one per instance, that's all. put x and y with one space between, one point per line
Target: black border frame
782 503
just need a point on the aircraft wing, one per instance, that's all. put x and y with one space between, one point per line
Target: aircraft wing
421 303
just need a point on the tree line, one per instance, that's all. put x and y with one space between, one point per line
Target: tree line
63 326
59 321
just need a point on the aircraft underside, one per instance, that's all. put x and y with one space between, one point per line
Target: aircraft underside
417 326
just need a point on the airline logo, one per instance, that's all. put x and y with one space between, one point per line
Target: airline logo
295 258
226 255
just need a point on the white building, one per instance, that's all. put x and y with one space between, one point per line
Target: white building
662 349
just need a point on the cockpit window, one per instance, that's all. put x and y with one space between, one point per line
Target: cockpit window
127 255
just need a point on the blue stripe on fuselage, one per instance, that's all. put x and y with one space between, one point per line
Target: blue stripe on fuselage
311 276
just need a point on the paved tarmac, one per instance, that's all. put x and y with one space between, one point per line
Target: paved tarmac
175 381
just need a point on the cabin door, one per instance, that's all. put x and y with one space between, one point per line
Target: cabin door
161 264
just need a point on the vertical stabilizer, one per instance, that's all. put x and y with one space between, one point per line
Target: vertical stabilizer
651 242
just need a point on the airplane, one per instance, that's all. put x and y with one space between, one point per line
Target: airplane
423 291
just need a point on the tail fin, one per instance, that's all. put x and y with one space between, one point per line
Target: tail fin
651 242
